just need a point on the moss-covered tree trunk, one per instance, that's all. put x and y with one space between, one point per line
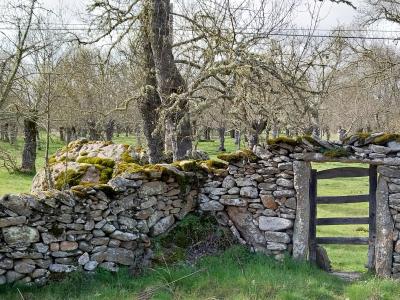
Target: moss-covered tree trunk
110 127
150 104
170 82
29 151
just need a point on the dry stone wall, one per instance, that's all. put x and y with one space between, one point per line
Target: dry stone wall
262 197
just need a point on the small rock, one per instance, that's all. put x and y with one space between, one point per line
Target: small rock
91 265
59 268
124 236
68 246
211 206
274 223
249 192
83 259
163 225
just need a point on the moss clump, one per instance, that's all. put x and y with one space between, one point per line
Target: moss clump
283 140
361 136
127 158
245 154
186 165
385 138
106 174
123 167
52 160
69 178
106 162
336 152
83 153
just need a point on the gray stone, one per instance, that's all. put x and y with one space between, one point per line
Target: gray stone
388 171
60 268
153 219
274 223
152 188
18 204
11 221
394 161
284 182
119 255
203 198
379 149
276 246
91 265
285 166
163 225
394 188
284 193
41 248
233 200
24 267
124 236
6 263
108 228
21 235
229 182
277 237
120 184
267 186
249 192
234 191
83 259
129 222
13 276
262 152
50 238
40 273
394 146
243 182
109 266
3 279
217 191
211 206
149 203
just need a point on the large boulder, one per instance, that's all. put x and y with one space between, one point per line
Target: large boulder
86 162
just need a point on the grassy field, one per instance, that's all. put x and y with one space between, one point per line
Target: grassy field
235 274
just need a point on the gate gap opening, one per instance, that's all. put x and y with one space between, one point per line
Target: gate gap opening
344 257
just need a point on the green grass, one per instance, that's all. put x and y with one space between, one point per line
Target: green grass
344 257
235 274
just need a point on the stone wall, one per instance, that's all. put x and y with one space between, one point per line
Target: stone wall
262 197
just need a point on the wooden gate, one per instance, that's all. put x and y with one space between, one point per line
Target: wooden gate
315 200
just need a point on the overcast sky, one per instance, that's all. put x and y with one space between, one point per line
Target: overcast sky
332 14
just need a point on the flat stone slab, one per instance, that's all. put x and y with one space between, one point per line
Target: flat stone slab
347 276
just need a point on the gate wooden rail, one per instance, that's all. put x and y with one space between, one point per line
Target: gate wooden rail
370 220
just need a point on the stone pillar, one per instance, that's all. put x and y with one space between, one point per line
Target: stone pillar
384 230
302 175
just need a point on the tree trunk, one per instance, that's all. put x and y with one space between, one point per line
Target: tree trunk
150 108
253 139
39 145
110 130
207 133
232 133
221 134
275 132
62 136
4 132
170 82
29 152
93 133
13 133
237 139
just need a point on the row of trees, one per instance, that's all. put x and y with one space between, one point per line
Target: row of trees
172 73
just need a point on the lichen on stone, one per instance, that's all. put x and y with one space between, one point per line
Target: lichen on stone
241 155
385 138
336 152
106 162
283 140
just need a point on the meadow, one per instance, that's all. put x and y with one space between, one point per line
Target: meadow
235 274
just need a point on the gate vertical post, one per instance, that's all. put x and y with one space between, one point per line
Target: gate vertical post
372 217
313 217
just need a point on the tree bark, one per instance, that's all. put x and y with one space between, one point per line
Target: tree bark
237 139
110 130
93 133
170 82
150 108
221 135
62 136
13 132
29 151
4 132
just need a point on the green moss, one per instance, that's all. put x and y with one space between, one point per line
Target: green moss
245 154
310 139
106 162
127 158
387 137
106 175
69 178
283 140
52 160
83 153
361 136
336 152
123 167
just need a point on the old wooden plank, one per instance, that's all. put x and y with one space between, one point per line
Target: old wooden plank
342 221
343 199
373 178
343 172
313 216
343 240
